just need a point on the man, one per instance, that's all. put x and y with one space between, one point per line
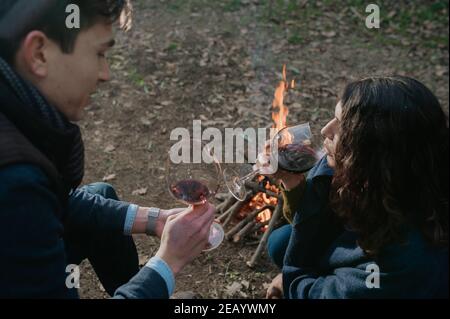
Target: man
47 74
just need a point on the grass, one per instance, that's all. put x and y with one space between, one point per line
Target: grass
138 79
175 5
232 5
172 47
295 39
295 17
403 18
437 41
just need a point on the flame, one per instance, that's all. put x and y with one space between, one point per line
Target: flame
280 111
263 217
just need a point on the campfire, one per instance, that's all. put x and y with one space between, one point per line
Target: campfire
261 210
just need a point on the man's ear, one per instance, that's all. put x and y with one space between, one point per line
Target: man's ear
34 53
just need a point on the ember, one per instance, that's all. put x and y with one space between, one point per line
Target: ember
261 200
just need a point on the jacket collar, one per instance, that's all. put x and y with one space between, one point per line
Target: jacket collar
321 169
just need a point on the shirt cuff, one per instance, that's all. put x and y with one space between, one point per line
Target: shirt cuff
130 218
163 269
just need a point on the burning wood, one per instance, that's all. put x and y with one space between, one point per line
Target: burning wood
256 187
250 218
250 228
228 214
263 243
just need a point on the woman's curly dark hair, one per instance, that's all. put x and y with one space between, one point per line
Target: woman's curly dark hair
392 162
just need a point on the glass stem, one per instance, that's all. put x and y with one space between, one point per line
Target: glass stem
250 175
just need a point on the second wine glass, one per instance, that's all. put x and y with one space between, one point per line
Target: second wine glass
291 149
193 175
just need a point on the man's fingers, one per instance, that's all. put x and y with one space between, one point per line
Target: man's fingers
200 247
177 210
208 215
194 221
171 217
205 228
200 240
183 214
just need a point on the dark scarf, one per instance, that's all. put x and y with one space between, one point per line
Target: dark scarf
44 126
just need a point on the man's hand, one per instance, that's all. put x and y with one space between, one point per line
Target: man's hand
141 220
163 216
185 236
275 290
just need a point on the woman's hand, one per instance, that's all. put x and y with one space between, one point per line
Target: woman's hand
275 290
289 180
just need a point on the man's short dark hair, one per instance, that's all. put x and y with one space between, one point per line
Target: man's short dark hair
52 21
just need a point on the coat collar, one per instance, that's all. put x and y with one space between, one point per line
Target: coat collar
321 169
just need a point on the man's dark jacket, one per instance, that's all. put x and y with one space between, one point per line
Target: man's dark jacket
36 211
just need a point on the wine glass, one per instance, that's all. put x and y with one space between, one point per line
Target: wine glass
291 149
193 175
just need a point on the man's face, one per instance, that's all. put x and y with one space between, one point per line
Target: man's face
331 134
73 78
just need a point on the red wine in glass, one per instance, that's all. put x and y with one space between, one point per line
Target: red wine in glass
193 182
194 192
297 158
190 191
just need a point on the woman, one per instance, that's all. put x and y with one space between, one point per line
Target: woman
371 218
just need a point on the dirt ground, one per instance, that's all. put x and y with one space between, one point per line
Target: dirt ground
220 61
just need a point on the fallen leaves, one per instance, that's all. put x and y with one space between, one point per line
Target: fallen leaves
109 177
441 70
236 289
166 103
143 259
329 34
109 149
146 122
140 191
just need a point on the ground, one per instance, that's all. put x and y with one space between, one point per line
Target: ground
219 61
